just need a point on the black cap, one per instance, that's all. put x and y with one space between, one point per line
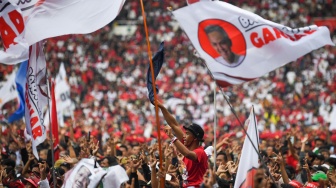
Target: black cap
196 130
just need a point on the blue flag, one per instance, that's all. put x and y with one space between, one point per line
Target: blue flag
158 59
20 81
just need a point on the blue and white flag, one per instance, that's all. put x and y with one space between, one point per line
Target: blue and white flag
20 82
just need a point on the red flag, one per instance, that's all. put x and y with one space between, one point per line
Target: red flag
54 123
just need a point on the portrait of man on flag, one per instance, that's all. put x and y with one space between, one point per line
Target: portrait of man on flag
222 43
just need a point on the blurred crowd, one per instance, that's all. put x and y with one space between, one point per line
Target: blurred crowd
107 75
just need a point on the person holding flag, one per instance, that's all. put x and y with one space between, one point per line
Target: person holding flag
195 160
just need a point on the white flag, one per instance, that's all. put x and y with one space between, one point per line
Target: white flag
12 29
36 96
62 90
239 46
8 90
86 173
248 162
50 18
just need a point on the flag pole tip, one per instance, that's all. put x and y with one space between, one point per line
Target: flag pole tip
170 9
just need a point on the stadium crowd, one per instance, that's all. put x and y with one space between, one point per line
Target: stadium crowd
106 72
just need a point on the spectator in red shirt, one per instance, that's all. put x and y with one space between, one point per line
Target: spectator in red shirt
195 160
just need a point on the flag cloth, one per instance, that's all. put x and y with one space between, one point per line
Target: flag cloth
50 18
86 173
239 46
62 90
54 121
157 60
12 29
194 1
20 82
8 90
248 162
36 96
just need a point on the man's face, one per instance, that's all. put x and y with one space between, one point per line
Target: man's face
269 151
218 43
220 159
136 150
104 163
188 138
81 178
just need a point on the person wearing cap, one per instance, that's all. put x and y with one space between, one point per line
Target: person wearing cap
195 160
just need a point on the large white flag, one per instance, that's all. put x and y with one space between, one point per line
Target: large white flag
36 97
12 29
50 18
239 46
8 90
248 162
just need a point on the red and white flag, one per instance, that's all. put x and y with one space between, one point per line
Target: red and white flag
36 97
189 2
12 29
50 18
54 120
248 162
240 46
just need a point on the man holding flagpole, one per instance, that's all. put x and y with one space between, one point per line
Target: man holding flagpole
195 160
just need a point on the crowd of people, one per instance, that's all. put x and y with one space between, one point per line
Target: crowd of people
114 122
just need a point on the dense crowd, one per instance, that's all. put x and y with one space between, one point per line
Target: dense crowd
106 73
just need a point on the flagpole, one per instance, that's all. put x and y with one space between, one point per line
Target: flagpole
215 128
50 132
155 95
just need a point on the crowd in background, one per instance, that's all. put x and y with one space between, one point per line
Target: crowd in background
109 94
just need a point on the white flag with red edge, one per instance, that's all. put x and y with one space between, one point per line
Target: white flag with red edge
240 46
12 30
36 97
247 168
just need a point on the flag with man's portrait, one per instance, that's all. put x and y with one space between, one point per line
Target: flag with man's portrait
239 46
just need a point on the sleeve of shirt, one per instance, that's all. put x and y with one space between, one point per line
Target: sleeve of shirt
199 153
44 184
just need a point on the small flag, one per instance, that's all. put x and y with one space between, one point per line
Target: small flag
157 64
247 168
20 82
54 121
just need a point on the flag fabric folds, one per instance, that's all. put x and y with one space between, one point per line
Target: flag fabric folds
8 90
54 120
50 18
36 97
20 82
12 30
247 168
239 46
158 59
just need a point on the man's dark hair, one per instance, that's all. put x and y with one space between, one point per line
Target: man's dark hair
222 153
8 162
216 28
